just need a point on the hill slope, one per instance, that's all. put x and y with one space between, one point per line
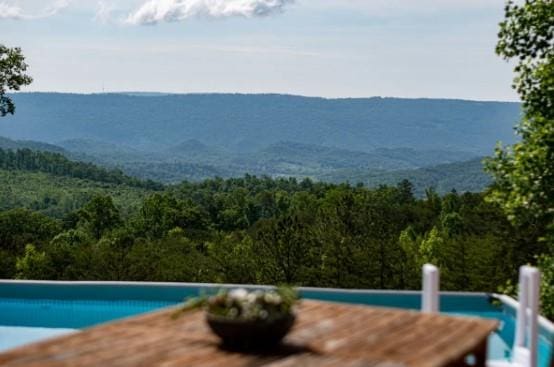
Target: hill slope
58 165
48 182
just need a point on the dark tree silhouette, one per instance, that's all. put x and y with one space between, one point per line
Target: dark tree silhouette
12 76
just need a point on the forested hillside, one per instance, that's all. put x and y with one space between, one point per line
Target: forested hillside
51 184
194 161
57 196
59 165
288 159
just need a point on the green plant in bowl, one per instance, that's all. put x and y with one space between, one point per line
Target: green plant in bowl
248 319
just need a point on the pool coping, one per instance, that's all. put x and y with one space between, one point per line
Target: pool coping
545 325
228 285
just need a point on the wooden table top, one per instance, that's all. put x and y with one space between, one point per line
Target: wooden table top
325 334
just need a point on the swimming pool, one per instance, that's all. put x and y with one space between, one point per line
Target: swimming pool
31 311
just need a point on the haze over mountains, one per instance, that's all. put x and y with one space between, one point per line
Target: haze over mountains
175 137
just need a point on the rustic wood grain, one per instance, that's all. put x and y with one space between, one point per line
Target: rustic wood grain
325 334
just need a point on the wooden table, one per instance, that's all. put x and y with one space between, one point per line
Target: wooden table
325 334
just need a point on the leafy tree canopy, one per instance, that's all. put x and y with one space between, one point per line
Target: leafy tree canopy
12 76
524 172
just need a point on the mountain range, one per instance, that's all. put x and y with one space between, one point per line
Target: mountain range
169 138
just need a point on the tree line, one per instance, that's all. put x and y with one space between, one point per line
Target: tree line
271 231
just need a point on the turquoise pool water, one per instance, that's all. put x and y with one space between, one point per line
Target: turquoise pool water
70 314
34 311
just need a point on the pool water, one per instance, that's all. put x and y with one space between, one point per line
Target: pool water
25 320
35 311
70 314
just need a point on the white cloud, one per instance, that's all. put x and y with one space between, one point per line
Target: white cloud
104 12
155 11
11 10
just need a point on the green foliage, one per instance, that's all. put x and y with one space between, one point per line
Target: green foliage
70 257
233 259
282 246
524 174
19 227
163 212
99 216
33 265
524 180
430 246
59 196
526 34
12 76
172 259
546 266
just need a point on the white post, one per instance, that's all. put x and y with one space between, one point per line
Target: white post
430 292
533 319
527 324
523 296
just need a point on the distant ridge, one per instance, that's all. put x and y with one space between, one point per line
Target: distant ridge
247 123
142 94
6 143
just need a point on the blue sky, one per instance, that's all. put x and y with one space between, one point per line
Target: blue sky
330 48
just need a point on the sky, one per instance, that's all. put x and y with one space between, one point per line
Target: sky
327 48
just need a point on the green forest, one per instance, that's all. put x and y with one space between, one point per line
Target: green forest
249 230
263 230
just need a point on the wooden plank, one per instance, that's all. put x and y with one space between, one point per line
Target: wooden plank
326 334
